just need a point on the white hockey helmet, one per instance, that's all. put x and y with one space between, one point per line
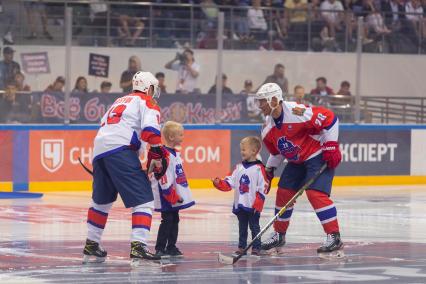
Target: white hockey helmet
142 81
268 91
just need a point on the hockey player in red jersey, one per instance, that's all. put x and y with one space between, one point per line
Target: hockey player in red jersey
131 120
307 137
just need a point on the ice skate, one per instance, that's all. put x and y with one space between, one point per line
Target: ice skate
274 245
174 252
139 253
332 247
93 252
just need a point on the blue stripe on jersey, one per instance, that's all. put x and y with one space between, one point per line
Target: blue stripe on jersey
327 214
286 214
135 142
331 125
151 129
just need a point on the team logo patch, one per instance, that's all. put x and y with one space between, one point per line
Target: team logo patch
180 176
288 149
52 154
244 184
298 111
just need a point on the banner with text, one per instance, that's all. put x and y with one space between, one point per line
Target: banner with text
89 108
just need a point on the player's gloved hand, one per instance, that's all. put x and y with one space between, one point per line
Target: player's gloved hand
331 154
221 184
269 175
258 203
158 160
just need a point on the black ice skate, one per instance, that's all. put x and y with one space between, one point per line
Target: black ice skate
139 251
174 252
276 242
332 247
93 252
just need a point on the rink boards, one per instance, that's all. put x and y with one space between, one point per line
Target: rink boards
45 157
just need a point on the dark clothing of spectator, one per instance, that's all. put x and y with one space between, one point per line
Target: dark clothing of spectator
392 12
327 92
5 109
280 81
8 70
127 76
225 90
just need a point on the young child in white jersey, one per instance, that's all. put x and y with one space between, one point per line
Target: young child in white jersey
250 185
171 192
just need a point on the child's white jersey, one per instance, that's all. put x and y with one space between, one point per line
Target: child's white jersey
172 186
249 181
130 119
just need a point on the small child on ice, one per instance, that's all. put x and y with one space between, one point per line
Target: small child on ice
250 185
171 192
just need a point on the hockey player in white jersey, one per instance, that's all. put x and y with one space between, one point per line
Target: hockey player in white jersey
131 120
250 185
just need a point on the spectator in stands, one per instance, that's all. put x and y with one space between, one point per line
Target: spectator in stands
8 68
344 89
393 11
299 95
332 13
32 9
161 82
20 83
296 23
106 87
256 20
248 88
322 89
278 77
414 15
377 26
80 85
225 89
130 19
6 102
98 17
18 107
8 16
188 71
134 66
57 86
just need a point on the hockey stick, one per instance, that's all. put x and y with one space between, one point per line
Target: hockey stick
232 260
84 167
151 168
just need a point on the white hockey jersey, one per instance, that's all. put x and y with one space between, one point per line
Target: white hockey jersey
250 185
130 119
172 186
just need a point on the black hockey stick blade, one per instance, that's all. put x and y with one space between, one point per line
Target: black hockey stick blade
232 260
84 167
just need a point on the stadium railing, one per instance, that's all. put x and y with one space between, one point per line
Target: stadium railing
168 25
42 107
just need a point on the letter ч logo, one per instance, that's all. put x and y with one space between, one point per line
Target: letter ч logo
52 154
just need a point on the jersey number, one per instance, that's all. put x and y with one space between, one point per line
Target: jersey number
320 119
114 115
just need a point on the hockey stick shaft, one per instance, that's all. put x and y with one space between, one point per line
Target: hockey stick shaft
151 168
84 167
282 210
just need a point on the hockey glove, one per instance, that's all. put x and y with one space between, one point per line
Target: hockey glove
258 202
159 156
221 184
269 175
331 154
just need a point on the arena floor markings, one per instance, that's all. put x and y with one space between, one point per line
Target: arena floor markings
383 229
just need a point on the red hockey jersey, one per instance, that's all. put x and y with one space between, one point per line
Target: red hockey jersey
297 135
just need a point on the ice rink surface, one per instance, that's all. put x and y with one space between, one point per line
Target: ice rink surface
384 230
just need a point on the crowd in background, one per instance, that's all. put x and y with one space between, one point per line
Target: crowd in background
12 81
250 23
